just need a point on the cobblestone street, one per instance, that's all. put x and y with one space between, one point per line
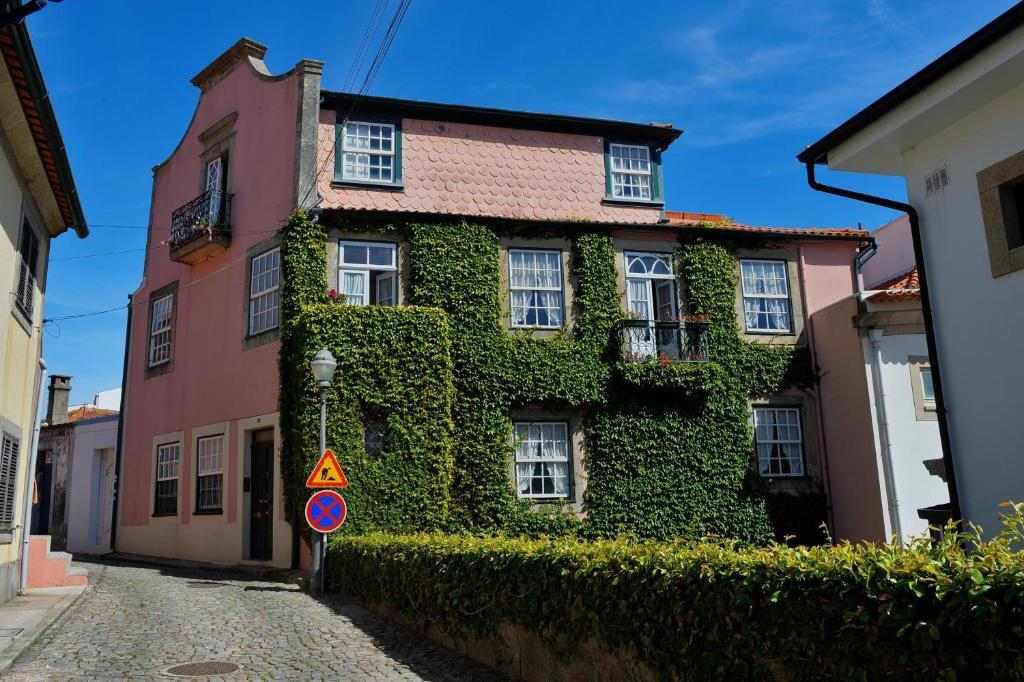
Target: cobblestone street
135 623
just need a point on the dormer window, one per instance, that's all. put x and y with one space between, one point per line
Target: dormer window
369 153
632 173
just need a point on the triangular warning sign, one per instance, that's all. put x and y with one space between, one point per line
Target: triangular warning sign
327 473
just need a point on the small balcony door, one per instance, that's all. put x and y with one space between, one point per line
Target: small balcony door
651 296
214 185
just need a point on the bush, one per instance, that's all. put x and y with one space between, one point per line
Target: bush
712 610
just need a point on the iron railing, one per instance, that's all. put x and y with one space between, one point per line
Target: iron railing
207 216
678 341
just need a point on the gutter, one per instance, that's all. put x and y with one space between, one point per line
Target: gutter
120 427
929 324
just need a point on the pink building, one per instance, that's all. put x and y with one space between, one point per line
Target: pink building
201 454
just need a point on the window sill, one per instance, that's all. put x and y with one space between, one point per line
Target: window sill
261 338
207 512
364 184
157 370
6 537
25 322
161 514
645 203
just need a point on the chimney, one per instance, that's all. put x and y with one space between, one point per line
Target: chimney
57 407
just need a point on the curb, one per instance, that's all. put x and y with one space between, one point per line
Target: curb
9 655
278 575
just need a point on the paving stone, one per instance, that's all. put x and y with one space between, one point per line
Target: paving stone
134 622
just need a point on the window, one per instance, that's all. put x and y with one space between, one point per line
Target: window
631 172
368 153
1013 214
779 439
765 296
210 474
25 290
9 447
927 389
1001 194
264 291
542 460
373 439
161 315
167 458
368 273
535 288
651 298
923 388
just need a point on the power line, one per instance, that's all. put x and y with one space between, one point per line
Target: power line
162 245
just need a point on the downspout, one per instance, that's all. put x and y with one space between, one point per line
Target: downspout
120 428
929 324
885 445
26 528
818 412
864 254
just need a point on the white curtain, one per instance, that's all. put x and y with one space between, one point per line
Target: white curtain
353 285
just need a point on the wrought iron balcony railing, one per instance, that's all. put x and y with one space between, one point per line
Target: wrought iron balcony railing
205 219
678 341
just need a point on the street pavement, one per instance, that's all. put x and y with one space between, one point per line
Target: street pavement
135 623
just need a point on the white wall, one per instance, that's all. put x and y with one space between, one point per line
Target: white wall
911 441
979 319
92 437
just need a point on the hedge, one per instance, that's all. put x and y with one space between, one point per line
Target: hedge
715 610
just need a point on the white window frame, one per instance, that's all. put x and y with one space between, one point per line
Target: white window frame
517 459
10 448
800 460
760 296
161 337
269 296
364 156
559 289
629 173
213 466
168 466
389 272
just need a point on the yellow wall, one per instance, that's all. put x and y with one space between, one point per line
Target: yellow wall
19 348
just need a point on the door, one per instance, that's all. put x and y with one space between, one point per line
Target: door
41 501
665 311
641 307
261 501
214 185
103 501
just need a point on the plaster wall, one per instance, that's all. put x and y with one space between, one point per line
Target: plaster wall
217 377
88 500
464 169
895 253
979 321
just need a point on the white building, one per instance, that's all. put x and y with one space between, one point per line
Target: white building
955 132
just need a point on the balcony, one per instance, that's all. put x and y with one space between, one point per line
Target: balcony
201 228
667 342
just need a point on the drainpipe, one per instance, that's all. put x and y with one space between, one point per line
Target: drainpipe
929 324
864 254
885 444
120 428
26 528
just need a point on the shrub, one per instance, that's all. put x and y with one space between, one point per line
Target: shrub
716 610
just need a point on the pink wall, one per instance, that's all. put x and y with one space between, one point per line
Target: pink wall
895 253
213 378
464 169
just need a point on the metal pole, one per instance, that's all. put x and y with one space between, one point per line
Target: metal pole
320 539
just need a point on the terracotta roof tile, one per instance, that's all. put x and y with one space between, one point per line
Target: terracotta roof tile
903 287
721 222
86 412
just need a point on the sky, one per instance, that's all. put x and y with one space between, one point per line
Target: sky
750 83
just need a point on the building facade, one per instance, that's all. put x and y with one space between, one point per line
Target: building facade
516 301
37 203
953 131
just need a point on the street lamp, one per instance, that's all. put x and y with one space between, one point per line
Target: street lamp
323 365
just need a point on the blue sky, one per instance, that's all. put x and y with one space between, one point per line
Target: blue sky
751 83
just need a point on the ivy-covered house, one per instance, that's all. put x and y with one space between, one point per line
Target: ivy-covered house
527 340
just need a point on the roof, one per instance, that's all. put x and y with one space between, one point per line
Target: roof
27 79
659 134
964 51
715 221
903 287
88 412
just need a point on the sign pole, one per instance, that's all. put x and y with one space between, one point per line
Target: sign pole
320 552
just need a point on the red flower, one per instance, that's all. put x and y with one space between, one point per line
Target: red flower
333 293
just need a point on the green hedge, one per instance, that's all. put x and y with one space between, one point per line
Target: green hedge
714 611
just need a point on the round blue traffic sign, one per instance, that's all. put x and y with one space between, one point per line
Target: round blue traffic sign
326 511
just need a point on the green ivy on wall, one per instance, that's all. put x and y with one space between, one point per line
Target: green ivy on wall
669 448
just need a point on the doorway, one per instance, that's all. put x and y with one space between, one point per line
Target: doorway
261 496
652 299
102 499
41 495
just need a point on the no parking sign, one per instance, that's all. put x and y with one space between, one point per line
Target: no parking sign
326 511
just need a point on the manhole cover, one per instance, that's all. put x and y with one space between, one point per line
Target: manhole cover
206 584
202 668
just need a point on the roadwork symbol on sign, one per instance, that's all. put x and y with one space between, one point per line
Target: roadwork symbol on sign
326 511
327 473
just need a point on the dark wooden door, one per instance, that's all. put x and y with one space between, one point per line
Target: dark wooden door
261 502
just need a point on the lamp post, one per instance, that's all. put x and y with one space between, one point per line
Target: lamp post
323 366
